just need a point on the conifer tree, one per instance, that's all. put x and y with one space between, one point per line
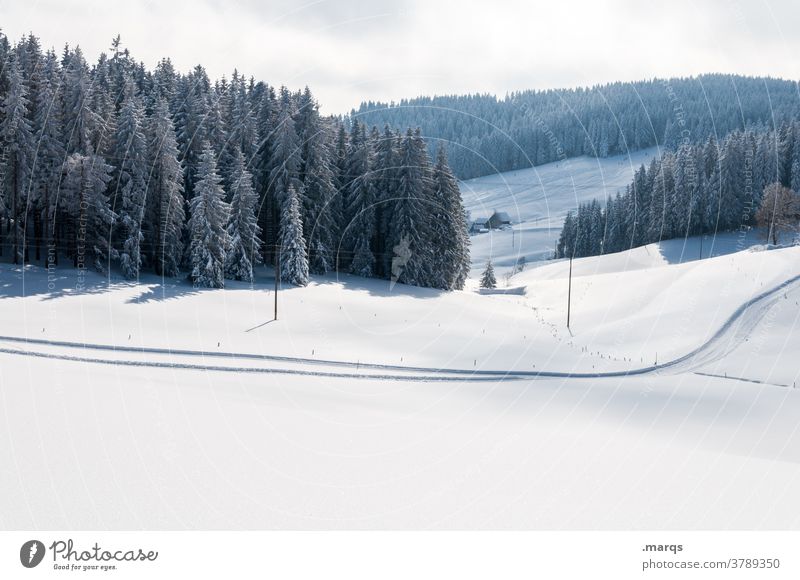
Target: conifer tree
131 156
284 170
293 258
487 278
450 240
385 182
319 209
166 214
209 215
85 206
80 121
17 156
192 124
410 221
243 230
48 126
360 209
363 263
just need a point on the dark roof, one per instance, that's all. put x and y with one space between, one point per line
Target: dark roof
480 220
502 216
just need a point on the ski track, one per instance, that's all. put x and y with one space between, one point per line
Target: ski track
730 335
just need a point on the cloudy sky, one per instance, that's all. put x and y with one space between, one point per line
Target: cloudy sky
353 50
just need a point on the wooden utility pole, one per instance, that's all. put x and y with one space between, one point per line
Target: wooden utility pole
277 278
569 290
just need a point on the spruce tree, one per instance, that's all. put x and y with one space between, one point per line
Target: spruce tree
487 278
192 124
80 121
451 240
86 206
17 156
385 181
284 170
363 263
208 217
356 194
48 124
411 214
131 180
166 214
293 258
243 230
320 214
360 209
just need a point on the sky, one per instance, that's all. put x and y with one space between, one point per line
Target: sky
349 51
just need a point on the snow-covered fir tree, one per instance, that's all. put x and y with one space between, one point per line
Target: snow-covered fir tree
450 237
293 256
243 231
360 204
191 120
48 127
130 193
363 263
284 170
487 277
17 157
320 209
208 218
385 181
166 214
80 121
86 213
411 212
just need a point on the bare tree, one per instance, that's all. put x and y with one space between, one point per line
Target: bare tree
779 211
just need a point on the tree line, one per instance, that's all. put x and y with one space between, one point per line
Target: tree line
700 188
490 134
114 165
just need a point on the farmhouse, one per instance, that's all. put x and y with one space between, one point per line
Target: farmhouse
499 219
479 226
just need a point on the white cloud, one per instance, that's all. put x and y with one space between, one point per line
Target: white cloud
352 50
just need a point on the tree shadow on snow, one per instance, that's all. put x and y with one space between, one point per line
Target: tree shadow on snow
34 281
376 286
37 281
681 250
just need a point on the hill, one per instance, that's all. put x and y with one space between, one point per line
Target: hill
366 406
487 134
537 199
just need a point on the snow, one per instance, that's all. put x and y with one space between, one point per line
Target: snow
670 403
538 199
339 414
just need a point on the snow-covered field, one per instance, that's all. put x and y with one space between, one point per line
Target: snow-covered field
669 403
538 199
160 406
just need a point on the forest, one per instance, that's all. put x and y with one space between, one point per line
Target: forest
114 166
698 189
487 134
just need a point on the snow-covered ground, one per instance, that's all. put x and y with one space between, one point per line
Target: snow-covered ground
161 406
537 200
669 403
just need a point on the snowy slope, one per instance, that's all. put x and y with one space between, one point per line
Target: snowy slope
538 199
96 447
623 314
162 406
